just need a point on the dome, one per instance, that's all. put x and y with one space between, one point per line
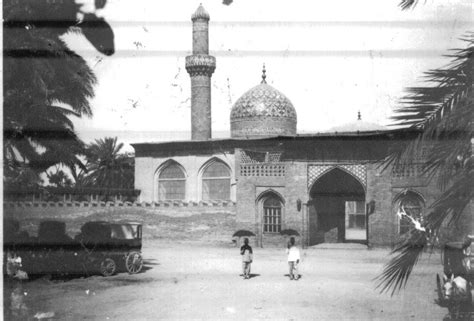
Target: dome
263 111
357 126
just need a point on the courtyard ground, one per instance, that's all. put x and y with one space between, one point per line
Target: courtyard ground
189 281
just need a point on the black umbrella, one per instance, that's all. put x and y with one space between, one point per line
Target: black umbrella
290 232
242 233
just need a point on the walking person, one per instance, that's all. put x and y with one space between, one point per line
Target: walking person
293 259
247 256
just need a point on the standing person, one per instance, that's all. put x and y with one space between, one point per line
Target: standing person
247 255
293 259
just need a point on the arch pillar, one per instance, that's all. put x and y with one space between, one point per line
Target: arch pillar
306 207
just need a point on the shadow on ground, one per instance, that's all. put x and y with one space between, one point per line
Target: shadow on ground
148 264
251 275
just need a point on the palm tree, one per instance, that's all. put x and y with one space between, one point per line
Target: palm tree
46 83
107 167
443 115
22 177
59 178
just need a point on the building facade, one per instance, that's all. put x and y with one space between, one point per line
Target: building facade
328 187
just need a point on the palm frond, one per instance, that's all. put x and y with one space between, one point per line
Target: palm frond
441 117
40 71
99 33
406 4
396 273
454 200
441 112
450 204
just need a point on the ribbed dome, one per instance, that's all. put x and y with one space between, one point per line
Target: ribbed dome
263 111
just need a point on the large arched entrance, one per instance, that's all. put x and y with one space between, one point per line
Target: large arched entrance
337 209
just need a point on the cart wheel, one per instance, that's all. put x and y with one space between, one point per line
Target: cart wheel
134 262
108 267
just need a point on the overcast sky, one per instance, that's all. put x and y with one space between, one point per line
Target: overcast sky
330 58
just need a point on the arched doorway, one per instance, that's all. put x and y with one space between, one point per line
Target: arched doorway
337 209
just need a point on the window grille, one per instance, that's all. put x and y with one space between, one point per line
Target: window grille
412 168
261 170
407 170
272 215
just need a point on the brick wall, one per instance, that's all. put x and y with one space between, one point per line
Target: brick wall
384 222
195 222
382 226
291 187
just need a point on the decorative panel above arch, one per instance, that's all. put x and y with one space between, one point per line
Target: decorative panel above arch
359 171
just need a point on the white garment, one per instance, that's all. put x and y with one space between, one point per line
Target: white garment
247 256
293 254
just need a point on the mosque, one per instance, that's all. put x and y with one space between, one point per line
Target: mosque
328 187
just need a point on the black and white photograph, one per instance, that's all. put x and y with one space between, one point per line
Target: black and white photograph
238 160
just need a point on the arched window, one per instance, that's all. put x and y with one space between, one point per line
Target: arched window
216 182
172 183
411 204
272 215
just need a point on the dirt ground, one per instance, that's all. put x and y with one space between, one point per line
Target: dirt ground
184 281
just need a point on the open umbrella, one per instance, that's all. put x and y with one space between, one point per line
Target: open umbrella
242 233
290 232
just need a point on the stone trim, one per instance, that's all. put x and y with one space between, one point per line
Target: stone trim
177 203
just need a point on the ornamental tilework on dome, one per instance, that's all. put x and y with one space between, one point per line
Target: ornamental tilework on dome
263 101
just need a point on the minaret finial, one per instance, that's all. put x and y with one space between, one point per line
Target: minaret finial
264 75
358 116
200 13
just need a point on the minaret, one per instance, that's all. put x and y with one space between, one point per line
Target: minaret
200 67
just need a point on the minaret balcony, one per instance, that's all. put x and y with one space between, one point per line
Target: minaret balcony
200 65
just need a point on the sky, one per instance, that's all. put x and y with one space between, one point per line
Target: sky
330 58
